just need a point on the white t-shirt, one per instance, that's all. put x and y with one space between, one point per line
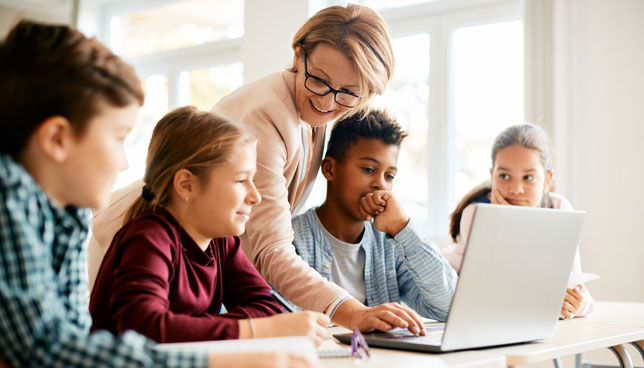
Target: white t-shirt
348 266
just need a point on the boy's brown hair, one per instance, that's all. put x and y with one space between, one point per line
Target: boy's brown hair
54 70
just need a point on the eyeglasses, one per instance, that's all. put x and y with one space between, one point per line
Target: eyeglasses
321 88
357 342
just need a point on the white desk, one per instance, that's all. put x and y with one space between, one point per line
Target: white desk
611 326
398 358
619 313
575 337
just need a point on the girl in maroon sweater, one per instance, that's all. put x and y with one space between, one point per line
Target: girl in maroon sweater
178 258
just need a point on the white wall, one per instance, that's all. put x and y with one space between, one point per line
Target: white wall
598 105
9 16
268 32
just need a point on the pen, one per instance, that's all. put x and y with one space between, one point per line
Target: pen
286 305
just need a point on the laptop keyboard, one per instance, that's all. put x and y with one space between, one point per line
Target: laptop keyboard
434 335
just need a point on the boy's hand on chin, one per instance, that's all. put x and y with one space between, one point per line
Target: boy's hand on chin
385 210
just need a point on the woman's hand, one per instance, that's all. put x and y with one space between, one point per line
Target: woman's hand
574 301
311 324
274 359
385 317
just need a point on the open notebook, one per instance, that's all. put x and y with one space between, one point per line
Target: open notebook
301 345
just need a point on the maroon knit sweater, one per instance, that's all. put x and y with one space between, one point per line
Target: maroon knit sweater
154 279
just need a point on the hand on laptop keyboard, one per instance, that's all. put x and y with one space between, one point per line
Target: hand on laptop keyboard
386 317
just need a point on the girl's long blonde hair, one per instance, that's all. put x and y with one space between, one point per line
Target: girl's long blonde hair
185 138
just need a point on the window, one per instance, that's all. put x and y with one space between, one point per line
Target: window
203 87
186 52
452 97
488 94
384 4
175 25
136 144
406 98
458 79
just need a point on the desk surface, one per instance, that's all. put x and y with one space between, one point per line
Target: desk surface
572 337
399 358
612 323
619 313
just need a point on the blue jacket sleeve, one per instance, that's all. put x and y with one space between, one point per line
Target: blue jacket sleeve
426 281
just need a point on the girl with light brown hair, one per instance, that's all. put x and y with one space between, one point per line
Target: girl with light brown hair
177 259
342 58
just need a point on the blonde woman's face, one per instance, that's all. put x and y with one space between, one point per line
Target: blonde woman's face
519 176
336 70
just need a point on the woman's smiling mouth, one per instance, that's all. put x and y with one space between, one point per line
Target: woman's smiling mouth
319 109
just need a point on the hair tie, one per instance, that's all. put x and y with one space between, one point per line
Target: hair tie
147 194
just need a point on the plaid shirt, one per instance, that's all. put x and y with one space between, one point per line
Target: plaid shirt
404 268
44 317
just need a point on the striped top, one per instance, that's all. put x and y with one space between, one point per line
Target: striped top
404 268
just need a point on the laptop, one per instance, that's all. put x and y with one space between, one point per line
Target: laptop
511 286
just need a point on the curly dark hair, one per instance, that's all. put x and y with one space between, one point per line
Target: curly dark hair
53 70
375 124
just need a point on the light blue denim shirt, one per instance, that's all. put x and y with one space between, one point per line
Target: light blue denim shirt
404 268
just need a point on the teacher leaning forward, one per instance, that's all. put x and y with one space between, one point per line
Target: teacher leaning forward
342 58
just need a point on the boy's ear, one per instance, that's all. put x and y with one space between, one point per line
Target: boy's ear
328 168
184 184
54 137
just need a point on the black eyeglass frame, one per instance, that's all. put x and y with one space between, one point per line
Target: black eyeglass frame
331 89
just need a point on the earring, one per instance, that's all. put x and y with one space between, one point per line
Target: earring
187 199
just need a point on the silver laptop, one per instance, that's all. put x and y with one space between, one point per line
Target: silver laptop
511 286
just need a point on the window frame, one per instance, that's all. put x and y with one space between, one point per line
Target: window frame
437 18
171 62
440 19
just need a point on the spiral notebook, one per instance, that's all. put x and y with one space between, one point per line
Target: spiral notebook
330 349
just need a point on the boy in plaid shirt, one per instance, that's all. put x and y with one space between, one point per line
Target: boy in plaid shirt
66 105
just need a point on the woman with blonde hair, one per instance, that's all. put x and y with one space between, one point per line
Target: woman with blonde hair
342 58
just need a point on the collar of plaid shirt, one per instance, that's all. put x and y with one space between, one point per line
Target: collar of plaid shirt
43 286
19 184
